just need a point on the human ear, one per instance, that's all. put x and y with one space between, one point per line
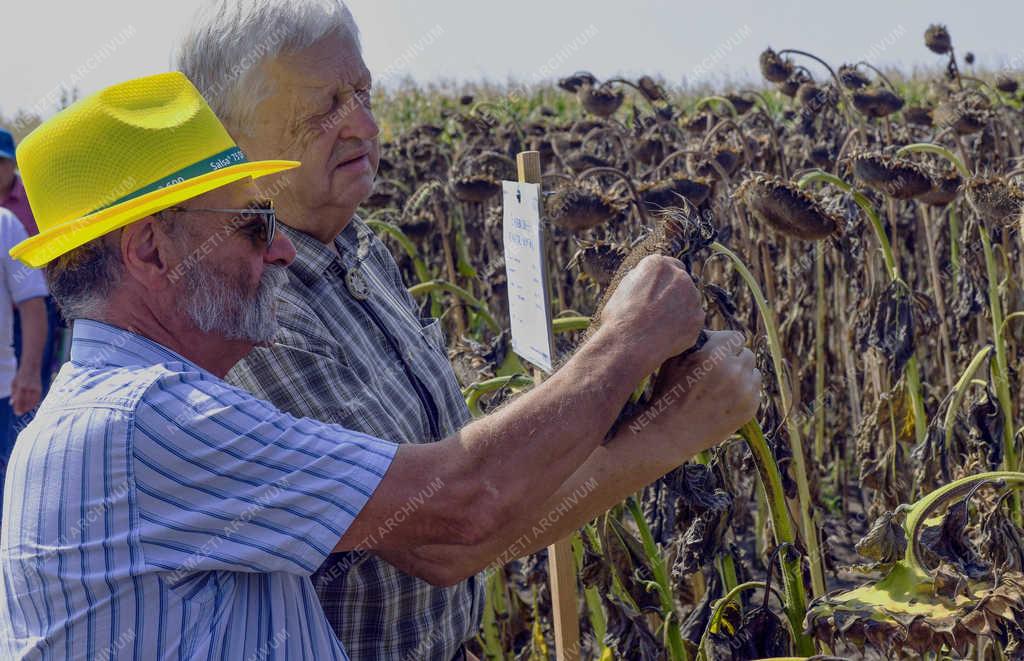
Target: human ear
147 253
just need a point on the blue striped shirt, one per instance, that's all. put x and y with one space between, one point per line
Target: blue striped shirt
152 510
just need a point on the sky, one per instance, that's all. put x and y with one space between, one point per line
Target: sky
90 45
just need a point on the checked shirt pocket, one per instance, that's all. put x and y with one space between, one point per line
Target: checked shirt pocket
430 328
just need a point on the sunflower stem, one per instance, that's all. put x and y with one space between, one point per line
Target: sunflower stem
726 565
569 324
656 563
491 640
782 528
720 99
800 469
960 390
474 392
1002 367
954 241
932 148
819 354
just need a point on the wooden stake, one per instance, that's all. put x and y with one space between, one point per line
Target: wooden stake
561 564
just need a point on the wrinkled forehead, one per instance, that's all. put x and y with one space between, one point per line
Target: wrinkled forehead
333 62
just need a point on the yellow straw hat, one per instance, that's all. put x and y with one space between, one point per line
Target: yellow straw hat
120 155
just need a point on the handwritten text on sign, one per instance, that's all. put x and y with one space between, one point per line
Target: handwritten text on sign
529 307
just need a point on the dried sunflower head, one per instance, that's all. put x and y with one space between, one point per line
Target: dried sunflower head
598 261
478 178
627 633
423 207
726 157
649 150
576 207
664 192
699 123
1008 84
478 187
920 610
741 103
945 188
773 67
807 94
937 39
386 193
584 126
761 634
785 208
852 78
997 199
919 115
896 177
577 80
602 101
877 102
650 89
791 85
902 612
821 156
966 112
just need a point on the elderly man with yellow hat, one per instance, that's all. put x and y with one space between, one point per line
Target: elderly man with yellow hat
154 511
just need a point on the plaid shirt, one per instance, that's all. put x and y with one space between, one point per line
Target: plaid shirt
375 367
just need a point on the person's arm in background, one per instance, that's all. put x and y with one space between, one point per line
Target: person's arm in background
27 289
27 386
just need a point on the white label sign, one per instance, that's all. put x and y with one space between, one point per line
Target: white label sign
526 269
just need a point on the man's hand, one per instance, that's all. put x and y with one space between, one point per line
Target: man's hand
26 390
710 393
655 312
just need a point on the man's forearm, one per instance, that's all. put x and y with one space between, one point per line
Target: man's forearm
509 462
612 472
33 333
529 449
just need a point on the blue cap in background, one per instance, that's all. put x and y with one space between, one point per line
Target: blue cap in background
6 145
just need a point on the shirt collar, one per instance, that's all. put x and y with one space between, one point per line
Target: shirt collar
313 258
102 345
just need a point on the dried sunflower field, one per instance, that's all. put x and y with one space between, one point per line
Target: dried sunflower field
865 234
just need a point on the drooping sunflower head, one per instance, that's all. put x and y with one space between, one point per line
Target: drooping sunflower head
786 208
899 178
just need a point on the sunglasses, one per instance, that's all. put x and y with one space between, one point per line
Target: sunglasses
259 220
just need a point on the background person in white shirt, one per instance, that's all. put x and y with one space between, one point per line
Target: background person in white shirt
22 288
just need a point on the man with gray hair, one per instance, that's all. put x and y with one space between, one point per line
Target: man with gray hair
287 78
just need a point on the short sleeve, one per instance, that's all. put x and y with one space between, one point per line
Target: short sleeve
23 282
224 481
